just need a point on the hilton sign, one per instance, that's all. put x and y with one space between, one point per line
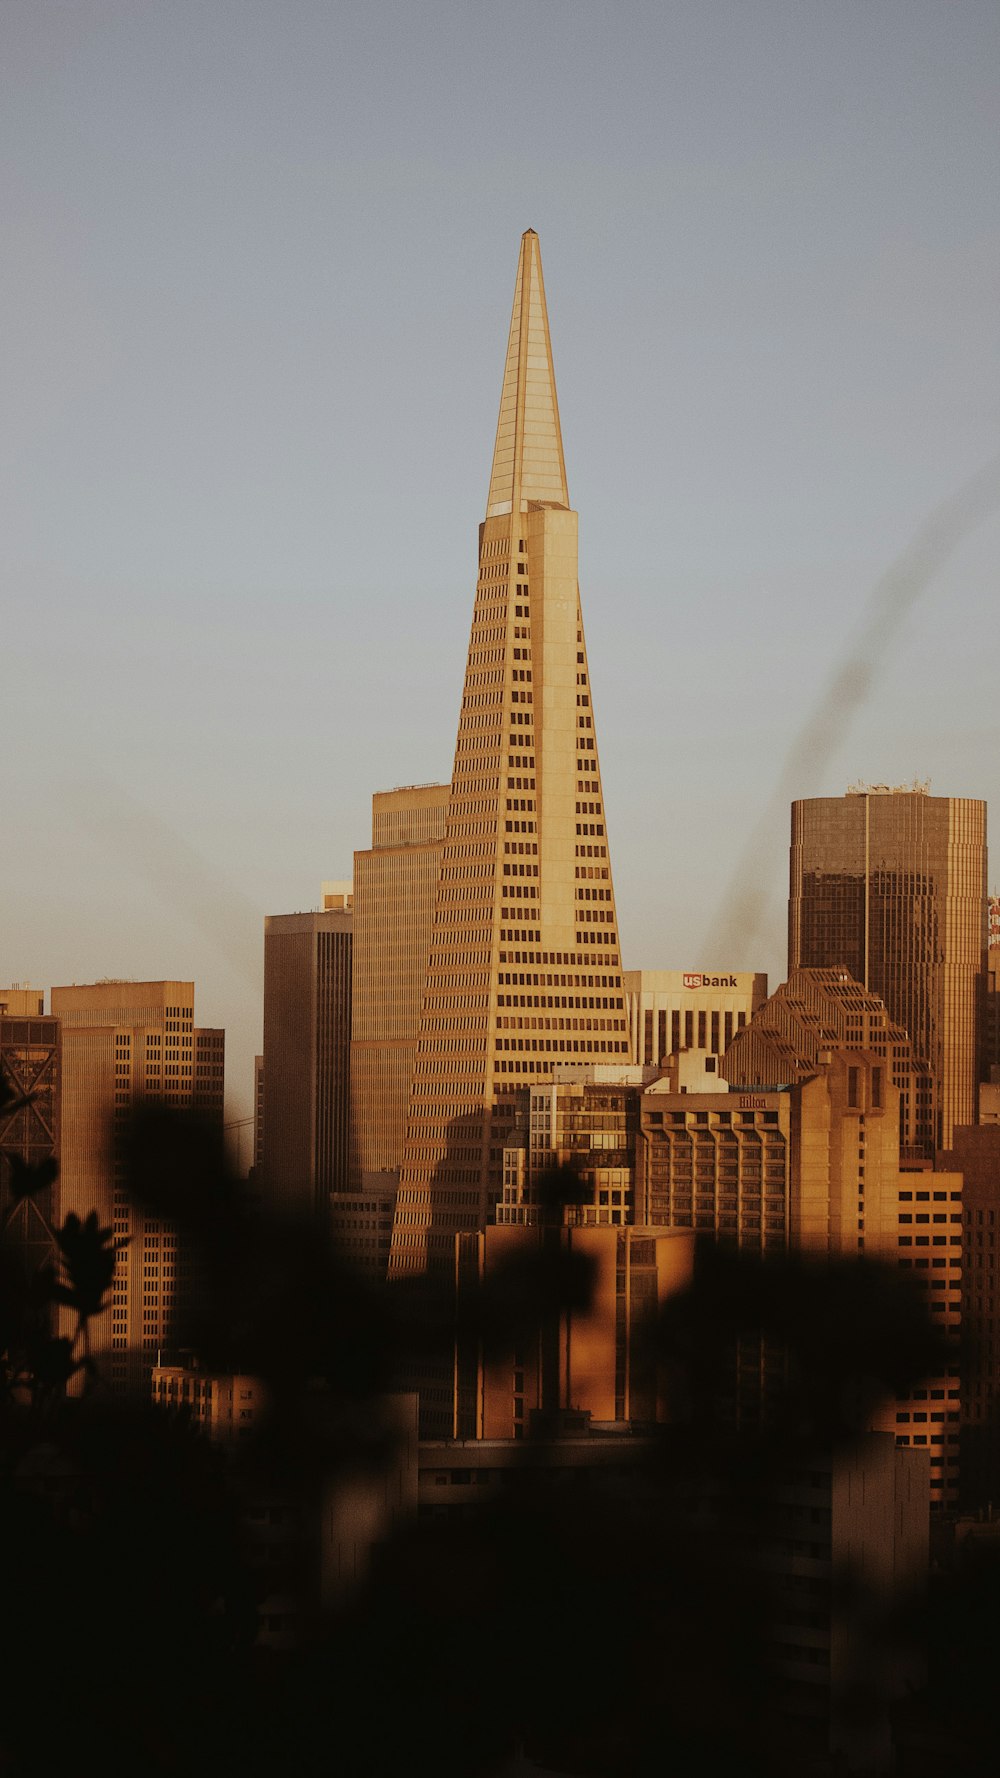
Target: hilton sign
709 981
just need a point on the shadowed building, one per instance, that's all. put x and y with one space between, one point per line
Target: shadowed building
976 1155
524 969
125 1042
814 1167
890 885
594 1361
29 1132
306 1067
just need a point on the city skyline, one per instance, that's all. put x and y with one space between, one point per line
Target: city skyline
772 291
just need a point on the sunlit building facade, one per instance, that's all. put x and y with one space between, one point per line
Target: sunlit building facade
820 1009
890 885
125 1043
670 1010
524 969
395 888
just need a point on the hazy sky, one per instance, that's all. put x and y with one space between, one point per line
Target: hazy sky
258 260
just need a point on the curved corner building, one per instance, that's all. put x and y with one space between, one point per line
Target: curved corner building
524 971
891 886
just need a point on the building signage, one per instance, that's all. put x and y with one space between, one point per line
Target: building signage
709 981
753 1102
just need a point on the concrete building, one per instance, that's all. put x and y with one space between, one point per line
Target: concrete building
976 1156
817 1009
890 885
258 1113
524 968
395 888
226 1406
670 1010
814 1167
591 1362
307 1033
585 1119
361 1223
30 1071
125 1042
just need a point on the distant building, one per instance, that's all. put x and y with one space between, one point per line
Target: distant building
592 1362
124 1043
670 1010
361 1223
395 890
307 1031
820 1009
976 1155
890 885
30 1068
814 1167
258 1113
524 967
584 1119
226 1406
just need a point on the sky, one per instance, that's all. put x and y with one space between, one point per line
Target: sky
258 264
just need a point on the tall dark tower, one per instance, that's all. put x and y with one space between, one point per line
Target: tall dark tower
524 969
891 886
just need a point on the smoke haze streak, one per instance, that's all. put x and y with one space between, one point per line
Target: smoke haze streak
735 935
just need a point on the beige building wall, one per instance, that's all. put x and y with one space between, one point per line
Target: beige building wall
592 1362
394 896
670 1010
21 1002
821 1009
815 1168
524 968
125 1042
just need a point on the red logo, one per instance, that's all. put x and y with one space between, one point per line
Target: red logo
693 981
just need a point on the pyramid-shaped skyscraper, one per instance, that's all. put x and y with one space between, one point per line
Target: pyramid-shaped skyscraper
524 971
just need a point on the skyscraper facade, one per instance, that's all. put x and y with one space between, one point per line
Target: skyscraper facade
891 886
395 889
307 1037
524 968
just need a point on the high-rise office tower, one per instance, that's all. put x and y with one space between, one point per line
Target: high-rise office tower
891 886
524 967
395 888
125 1042
305 1118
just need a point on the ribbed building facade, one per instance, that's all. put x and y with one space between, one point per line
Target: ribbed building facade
395 890
524 968
891 886
307 1036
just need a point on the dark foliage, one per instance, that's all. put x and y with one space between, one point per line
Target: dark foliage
611 1624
